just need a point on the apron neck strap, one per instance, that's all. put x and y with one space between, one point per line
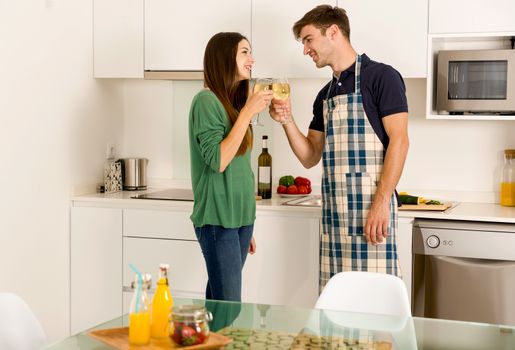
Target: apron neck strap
357 75
357 80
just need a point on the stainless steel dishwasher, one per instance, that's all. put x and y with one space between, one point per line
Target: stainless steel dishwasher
464 270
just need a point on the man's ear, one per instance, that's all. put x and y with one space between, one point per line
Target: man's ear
332 31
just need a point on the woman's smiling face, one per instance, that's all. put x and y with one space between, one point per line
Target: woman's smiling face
244 60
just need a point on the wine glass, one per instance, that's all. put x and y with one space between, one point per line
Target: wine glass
281 89
261 84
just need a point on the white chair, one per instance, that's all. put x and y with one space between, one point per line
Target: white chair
19 327
372 301
365 292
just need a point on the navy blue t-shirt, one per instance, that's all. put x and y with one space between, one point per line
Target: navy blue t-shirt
382 88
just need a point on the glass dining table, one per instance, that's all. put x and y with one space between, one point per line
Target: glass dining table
260 326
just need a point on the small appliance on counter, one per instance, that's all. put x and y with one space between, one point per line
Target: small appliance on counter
134 173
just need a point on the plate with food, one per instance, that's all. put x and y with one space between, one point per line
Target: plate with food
285 195
290 186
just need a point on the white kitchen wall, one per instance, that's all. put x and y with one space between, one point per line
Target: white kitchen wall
456 160
55 122
156 127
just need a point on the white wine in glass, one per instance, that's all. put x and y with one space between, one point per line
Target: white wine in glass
261 84
281 88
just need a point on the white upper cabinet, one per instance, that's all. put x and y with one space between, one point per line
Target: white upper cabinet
177 31
471 16
392 32
132 36
274 47
118 38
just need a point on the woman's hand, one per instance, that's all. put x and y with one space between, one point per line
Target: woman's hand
258 101
252 246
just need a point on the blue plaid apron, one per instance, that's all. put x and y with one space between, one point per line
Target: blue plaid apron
352 164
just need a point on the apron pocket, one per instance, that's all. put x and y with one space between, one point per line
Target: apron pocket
359 199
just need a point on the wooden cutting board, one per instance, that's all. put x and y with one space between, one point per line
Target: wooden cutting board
433 207
118 338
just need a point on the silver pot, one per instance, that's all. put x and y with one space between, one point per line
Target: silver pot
134 173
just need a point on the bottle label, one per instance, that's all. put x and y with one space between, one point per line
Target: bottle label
264 174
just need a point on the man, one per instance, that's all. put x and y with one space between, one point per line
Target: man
359 129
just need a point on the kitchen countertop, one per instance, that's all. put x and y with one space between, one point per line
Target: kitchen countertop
488 212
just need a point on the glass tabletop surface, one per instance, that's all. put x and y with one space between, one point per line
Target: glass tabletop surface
260 326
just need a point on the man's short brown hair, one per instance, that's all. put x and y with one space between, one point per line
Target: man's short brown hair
322 17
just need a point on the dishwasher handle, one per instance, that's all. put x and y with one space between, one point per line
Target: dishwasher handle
475 263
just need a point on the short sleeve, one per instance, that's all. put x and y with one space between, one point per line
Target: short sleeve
391 93
209 128
317 123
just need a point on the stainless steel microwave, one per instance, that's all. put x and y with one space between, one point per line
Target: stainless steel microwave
476 81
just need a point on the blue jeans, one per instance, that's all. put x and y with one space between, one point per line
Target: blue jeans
225 251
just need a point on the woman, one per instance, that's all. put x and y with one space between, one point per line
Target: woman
220 143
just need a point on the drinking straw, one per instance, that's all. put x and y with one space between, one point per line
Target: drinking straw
138 290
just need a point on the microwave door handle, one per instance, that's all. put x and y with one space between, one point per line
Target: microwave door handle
452 82
457 80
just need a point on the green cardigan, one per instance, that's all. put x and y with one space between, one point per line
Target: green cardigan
225 199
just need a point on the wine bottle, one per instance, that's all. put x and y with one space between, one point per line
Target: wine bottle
265 171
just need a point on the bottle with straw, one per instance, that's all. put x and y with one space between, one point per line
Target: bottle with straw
139 315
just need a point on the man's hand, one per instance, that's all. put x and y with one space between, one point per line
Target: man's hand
376 228
280 110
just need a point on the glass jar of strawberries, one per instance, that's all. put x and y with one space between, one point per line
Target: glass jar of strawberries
189 325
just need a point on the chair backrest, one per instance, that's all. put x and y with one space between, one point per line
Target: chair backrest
19 327
365 292
375 301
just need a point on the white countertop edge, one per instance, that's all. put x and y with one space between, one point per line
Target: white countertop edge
468 211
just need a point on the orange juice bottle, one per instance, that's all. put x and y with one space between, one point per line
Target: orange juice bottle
508 179
161 305
139 316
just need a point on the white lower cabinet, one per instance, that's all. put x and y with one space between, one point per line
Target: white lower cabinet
96 272
187 275
152 237
404 243
284 270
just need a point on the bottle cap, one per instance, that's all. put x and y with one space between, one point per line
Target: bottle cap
509 152
265 137
164 266
146 280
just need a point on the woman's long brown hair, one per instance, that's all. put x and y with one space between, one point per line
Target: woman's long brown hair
220 72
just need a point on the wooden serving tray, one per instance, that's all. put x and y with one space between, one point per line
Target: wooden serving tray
434 207
118 338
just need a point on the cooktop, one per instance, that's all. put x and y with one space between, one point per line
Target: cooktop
173 194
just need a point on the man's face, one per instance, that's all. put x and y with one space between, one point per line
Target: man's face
316 45
244 60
